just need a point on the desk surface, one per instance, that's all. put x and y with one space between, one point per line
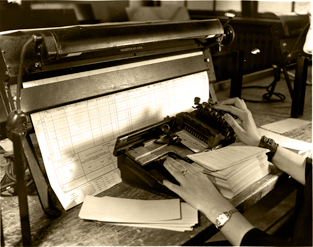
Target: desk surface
69 229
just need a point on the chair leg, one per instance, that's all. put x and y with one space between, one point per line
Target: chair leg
298 94
288 80
236 79
271 87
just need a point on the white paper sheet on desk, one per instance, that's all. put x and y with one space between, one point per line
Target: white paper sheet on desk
285 125
189 218
160 226
295 145
77 140
114 209
168 214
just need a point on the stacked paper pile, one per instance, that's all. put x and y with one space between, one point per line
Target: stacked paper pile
233 168
170 214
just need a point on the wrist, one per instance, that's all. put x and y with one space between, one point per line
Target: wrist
213 212
223 218
256 141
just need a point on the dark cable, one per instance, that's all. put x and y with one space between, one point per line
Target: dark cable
266 96
20 73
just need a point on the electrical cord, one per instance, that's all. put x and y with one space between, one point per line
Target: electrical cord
20 72
266 96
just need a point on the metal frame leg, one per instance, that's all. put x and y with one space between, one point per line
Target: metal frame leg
42 186
19 167
298 94
236 79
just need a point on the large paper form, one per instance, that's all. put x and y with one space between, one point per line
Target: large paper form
77 140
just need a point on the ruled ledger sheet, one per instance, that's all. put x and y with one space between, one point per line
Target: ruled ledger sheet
77 140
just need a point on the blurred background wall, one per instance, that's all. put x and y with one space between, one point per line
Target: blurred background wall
112 11
252 22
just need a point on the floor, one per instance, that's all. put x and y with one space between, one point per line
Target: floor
263 113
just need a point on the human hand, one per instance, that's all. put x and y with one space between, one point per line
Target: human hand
195 188
246 131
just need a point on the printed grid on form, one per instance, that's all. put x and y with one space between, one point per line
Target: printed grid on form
77 140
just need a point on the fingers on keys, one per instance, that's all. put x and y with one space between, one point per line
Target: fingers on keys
233 123
239 103
235 106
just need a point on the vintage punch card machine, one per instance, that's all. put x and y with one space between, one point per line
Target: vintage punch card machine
93 93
